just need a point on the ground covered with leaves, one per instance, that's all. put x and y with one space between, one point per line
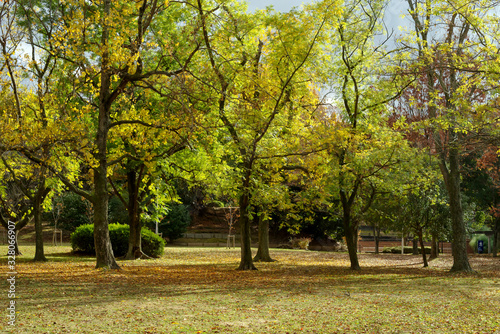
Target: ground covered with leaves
198 290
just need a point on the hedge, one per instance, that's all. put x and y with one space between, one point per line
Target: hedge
82 240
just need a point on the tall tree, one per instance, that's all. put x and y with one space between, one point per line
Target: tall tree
33 108
104 49
447 38
257 66
361 144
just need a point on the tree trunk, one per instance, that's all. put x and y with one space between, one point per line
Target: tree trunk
452 181
422 246
376 234
350 226
104 253
246 238
351 236
494 249
263 251
16 244
414 242
496 236
37 208
134 242
17 227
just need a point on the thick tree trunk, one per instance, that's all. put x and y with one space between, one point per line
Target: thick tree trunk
452 181
422 246
246 238
415 245
351 237
104 253
376 234
37 208
134 241
350 225
263 250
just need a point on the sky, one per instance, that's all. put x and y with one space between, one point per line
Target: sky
392 15
281 5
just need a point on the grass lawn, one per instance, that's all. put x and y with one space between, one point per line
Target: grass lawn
198 290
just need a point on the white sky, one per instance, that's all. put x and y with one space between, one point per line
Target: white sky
281 5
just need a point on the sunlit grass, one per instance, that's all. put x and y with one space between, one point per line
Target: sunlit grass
198 290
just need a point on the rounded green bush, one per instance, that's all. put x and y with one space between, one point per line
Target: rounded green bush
82 240
152 244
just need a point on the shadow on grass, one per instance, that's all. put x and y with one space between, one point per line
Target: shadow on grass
51 257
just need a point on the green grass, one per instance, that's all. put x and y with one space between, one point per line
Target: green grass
197 290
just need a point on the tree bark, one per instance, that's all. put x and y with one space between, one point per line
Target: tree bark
37 212
263 250
16 244
422 246
415 245
18 227
350 225
104 253
246 239
351 236
496 236
134 242
434 247
376 234
452 181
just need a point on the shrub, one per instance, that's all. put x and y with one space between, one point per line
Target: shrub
152 244
175 223
82 240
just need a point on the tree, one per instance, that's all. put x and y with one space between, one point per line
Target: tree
104 49
362 147
257 65
33 110
447 52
